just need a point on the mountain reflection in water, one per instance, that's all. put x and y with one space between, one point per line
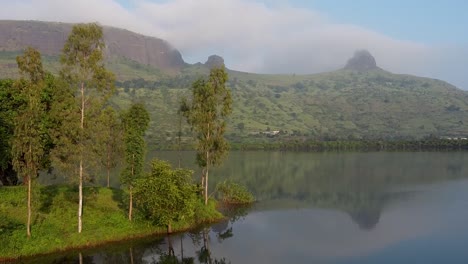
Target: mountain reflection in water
321 208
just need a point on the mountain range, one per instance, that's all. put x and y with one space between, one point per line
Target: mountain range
358 101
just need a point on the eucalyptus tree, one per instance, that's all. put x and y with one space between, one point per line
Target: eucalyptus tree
111 140
84 74
28 149
207 113
135 123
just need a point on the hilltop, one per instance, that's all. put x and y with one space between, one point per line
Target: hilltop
359 101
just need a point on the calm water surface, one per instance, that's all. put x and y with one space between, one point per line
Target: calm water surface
322 208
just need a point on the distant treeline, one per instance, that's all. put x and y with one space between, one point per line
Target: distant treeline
358 145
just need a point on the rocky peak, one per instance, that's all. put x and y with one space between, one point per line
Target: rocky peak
214 61
361 61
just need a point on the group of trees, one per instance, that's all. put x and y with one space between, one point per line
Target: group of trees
65 122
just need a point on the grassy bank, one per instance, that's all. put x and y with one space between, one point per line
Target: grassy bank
54 221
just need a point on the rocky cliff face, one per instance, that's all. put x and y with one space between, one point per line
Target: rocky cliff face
49 38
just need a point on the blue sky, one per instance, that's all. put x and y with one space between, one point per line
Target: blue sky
424 38
429 21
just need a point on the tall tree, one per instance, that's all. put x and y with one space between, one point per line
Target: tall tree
135 122
27 147
111 140
207 113
83 70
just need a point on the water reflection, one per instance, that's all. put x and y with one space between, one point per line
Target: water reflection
320 207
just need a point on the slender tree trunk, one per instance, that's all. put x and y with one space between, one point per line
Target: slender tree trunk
206 177
108 178
29 206
203 182
80 188
80 258
80 203
207 164
130 208
108 165
206 184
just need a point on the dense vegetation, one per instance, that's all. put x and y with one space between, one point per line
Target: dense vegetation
66 124
342 105
54 210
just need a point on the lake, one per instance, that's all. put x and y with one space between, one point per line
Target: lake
377 207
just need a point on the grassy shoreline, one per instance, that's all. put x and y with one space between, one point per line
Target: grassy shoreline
54 226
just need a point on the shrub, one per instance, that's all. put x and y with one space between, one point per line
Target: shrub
233 193
166 195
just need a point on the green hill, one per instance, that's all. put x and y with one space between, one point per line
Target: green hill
344 104
356 102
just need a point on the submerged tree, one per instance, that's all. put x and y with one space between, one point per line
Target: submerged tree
27 146
135 122
207 113
83 70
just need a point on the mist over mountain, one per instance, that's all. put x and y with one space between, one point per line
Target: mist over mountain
359 101
362 61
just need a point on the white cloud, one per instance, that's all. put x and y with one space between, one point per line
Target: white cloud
253 36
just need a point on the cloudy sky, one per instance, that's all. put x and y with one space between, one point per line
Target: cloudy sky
426 38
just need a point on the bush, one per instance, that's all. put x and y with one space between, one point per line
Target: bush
166 195
233 193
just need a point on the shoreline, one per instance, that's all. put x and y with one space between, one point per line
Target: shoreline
110 241
54 217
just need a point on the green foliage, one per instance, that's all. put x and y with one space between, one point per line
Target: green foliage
10 101
27 147
211 105
77 138
135 123
111 140
77 145
55 211
369 105
206 213
166 195
234 193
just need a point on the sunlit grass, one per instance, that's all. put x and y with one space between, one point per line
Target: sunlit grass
54 226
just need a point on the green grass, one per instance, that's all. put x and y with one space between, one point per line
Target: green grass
54 226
